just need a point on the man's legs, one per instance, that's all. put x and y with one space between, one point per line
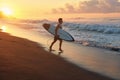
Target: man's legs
52 44
60 45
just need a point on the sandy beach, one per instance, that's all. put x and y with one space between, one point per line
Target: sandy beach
21 59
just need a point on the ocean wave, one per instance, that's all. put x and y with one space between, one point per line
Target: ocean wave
103 28
96 35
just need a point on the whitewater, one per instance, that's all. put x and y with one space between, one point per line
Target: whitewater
99 34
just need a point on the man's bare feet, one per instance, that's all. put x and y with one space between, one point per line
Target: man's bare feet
61 50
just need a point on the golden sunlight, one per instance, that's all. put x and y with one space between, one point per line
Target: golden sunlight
6 11
3 28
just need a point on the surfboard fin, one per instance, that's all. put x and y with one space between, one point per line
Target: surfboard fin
46 26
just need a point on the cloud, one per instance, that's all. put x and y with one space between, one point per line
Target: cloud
92 6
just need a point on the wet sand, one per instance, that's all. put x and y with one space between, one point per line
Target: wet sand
21 59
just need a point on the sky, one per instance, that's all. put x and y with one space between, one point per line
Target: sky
38 9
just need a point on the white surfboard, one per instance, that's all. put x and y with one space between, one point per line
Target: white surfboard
62 34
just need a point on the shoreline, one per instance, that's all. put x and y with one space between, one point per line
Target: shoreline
22 59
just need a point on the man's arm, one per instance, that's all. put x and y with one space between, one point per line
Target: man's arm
56 30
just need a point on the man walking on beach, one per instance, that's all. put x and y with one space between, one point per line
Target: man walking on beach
56 37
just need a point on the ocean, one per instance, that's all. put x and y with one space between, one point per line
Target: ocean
93 32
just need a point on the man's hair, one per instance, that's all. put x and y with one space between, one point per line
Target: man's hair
59 19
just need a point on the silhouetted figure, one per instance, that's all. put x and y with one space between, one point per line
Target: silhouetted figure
56 37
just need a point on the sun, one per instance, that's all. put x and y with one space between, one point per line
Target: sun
6 11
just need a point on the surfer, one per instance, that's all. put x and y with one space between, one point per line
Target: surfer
56 37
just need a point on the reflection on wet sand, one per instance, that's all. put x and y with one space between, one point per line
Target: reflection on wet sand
3 29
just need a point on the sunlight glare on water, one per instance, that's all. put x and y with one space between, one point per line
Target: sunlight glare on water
3 28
